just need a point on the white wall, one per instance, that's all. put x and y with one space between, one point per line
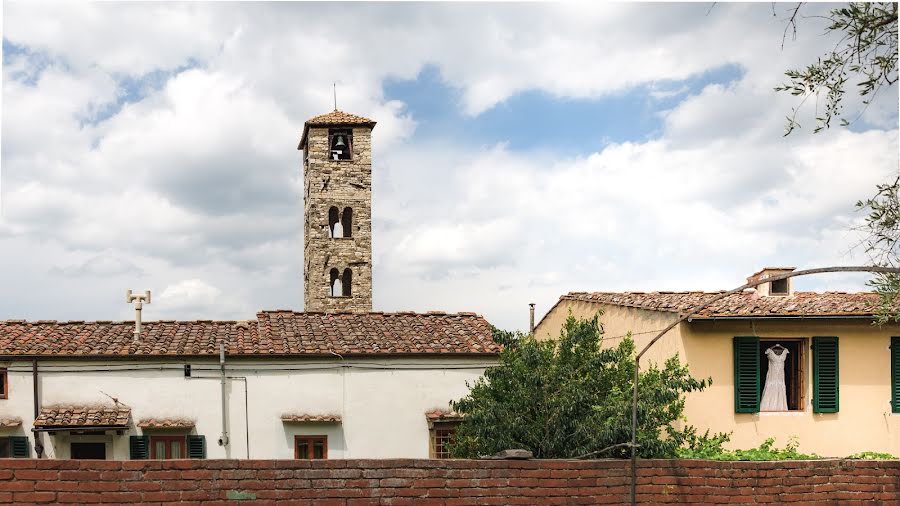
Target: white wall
382 402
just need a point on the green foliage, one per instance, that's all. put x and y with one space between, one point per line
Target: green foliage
882 244
569 397
712 450
872 456
865 55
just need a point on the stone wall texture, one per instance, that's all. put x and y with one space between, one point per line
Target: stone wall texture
341 184
445 482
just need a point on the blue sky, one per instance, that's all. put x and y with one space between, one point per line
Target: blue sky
538 120
521 152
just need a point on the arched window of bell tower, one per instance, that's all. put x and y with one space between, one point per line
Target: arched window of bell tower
334 228
347 282
335 288
347 222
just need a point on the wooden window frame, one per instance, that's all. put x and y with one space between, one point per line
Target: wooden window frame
434 433
310 440
4 391
800 387
168 439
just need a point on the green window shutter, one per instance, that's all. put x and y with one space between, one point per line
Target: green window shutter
746 374
826 376
895 374
196 447
19 447
139 447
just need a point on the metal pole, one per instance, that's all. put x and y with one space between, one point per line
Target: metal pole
223 440
38 440
531 318
697 309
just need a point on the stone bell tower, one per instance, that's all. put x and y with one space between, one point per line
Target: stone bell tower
337 206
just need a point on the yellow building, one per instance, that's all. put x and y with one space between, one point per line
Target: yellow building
841 373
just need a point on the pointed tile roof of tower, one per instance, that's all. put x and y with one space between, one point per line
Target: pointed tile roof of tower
333 118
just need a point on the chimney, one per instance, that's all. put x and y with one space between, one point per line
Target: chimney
781 288
138 301
531 318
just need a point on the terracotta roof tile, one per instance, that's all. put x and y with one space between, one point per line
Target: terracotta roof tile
443 415
10 421
273 333
166 423
333 118
82 416
305 418
746 304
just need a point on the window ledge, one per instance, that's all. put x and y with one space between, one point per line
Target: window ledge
783 413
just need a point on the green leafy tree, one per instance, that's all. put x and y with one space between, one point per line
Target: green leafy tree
567 397
865 56
882 243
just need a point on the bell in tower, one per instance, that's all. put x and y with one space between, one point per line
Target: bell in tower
337 242
340 144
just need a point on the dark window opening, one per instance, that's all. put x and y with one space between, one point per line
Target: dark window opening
187 370
793 370
4 393
442 436
347 221
333 220
5 448
310 447
779 287
346 282
340 144
335 288
88 451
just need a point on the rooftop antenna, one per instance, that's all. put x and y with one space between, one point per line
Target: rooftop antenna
138 301
334 86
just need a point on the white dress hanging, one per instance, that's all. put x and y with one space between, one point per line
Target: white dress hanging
774 397
337 289
338 230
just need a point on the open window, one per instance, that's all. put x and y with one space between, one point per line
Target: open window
340 144
751 368
779 287
4 384
346 282
793 369
347 222
335 288
310 447
335 228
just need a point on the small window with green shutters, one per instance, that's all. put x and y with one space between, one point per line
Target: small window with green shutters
826 374
15 447
895 374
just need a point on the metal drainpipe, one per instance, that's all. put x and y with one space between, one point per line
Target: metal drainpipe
223 439
38 439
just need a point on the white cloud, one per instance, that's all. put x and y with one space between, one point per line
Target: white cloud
194 185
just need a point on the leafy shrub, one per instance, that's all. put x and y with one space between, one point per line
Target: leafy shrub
566 397
711 449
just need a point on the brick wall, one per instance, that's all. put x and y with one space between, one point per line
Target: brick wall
445 483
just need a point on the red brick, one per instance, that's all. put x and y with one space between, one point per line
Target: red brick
34 497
